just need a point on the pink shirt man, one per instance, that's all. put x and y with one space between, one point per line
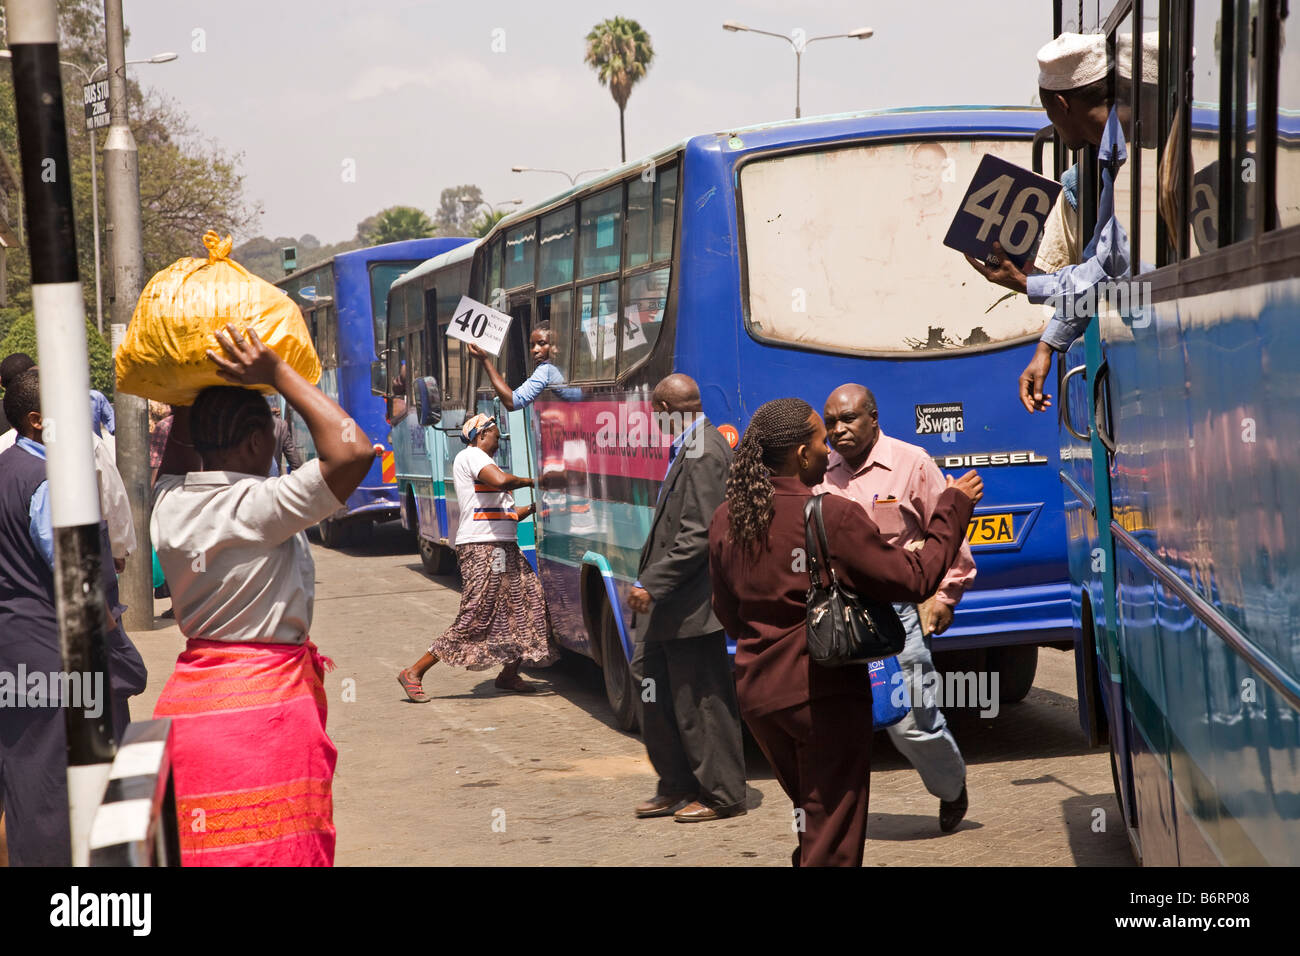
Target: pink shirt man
899 485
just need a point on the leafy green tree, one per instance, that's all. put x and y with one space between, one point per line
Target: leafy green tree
620 53
456 205
397 223
22 338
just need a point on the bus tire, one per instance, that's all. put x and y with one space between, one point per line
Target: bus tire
437 559
333 534
1016 665
619 690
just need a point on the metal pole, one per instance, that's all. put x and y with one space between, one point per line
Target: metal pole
94 213
122 184
65 408
798 63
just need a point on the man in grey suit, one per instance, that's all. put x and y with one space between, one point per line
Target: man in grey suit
690 720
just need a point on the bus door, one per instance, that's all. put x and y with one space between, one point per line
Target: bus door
513 455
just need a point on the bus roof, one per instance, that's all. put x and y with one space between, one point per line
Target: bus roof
442 260
404 249
1007 119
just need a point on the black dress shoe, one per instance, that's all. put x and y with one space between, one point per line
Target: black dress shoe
951 812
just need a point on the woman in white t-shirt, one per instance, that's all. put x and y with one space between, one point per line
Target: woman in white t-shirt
502 616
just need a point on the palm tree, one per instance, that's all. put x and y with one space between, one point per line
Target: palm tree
484 223
620 53
400 222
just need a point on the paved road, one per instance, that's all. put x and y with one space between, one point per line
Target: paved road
479 777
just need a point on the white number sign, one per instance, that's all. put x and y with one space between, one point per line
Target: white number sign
480 325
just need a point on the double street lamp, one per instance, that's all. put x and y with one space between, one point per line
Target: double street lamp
572 177
88 78
798 45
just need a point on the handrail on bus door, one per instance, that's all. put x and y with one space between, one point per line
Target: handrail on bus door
1100 398
1065 403
1040 140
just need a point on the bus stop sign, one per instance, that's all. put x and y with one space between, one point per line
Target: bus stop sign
95 97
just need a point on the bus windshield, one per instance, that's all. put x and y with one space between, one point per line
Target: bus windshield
382 277
843 250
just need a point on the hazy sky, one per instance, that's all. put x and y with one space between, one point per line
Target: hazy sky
412 92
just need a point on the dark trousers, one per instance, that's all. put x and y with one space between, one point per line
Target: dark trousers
821 754
692 726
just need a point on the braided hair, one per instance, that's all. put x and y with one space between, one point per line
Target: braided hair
224 415
776 427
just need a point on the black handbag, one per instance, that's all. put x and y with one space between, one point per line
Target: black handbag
843 628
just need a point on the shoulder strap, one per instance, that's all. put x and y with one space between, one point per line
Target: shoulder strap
814 533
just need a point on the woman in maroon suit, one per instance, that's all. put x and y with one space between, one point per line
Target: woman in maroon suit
811 721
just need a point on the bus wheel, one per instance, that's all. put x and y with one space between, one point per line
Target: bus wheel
619 690
361 533
333 534
1016 666
436 558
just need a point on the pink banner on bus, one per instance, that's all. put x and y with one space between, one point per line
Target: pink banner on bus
621 438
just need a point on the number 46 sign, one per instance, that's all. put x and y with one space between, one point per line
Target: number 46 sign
480 325
1003 202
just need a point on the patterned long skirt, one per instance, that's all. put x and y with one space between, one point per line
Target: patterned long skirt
502 616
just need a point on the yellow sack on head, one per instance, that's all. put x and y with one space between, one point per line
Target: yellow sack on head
164 354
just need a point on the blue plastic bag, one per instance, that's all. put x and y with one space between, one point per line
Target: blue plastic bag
888 695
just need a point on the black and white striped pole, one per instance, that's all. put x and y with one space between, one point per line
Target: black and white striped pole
65 408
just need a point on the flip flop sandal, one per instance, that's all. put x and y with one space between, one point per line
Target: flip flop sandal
414 690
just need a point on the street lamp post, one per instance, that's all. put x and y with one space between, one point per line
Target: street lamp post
572 177
861 33
472 202
88 78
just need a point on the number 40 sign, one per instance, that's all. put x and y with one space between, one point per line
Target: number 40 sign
1003 202
480 325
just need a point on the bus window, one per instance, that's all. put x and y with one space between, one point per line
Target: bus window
599 232
382 277
433 361
329 352
454 377
843 250
644 297
665 212
557 309
640 221
596 344
1288 126
1142 62
520 245
1245 176
493 290
1203 191
556 258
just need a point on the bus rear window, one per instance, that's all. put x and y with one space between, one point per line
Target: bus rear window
844 250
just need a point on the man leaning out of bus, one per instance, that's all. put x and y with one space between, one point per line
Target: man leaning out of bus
1075 89
541 345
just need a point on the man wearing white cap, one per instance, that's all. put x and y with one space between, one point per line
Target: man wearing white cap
1074 87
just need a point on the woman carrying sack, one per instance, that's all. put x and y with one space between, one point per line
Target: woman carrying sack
253 764
811 721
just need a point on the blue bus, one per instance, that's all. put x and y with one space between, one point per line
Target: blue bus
778 260
341 299
1180 408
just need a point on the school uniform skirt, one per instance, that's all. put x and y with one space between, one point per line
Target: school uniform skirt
502 616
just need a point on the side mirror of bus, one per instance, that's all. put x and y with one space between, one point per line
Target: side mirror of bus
377 383
428 400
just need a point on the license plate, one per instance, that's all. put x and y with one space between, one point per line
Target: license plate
991 529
